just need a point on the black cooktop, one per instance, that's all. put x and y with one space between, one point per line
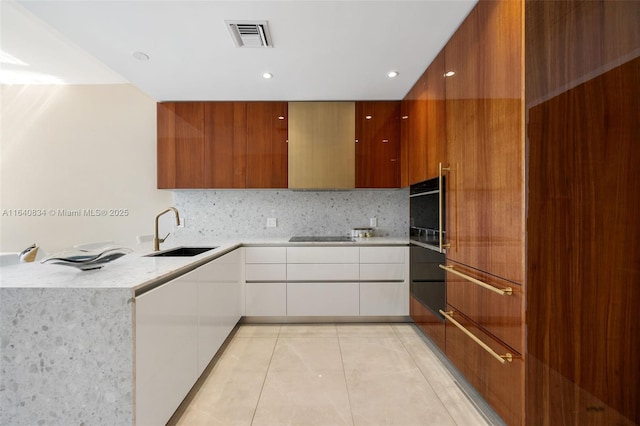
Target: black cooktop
314 239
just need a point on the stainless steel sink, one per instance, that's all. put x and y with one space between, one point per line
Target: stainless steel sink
321 239
181 252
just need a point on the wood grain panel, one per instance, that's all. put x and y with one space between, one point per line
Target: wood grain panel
377 145
166 147
404 143
485 150
431 325
416 125
501 385
583 270
321 145
436 119
267 158
499 315
225 149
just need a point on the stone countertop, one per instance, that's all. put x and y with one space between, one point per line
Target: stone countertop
135 271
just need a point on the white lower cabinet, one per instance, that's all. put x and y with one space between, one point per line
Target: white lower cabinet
327 281
323 299
219 304
387 299
179 327
166 349
266 299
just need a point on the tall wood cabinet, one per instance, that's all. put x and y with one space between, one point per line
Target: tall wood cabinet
557 133
222 144
377 144
583 255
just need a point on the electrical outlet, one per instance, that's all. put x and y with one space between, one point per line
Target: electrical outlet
373 222
272 222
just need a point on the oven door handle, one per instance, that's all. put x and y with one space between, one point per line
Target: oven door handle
441 245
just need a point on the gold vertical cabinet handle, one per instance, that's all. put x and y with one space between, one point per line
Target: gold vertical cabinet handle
441 169
507 291
501 358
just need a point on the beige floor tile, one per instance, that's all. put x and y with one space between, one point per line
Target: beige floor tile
395 398
301 399
258 330
375 354
308 330
246 354
306 354
461 409
226 399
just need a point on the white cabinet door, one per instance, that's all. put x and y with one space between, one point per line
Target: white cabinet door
266 272
219 303
383 254
266 254
323 272
266 299
382 271
323 255
166 349
322 299
384 299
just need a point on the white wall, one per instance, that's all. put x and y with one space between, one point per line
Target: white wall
76 148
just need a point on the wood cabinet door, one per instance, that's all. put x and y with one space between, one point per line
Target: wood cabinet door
180 146
267 151
424 124
500 384
225 144
485 140
377 144
404 143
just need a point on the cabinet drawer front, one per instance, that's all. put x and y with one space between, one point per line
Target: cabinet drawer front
501 385
322 299
384 299
322 272
323 255
266 299
266 272
383 254
265 255
382 271
501 315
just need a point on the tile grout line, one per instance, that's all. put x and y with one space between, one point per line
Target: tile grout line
265 376
344 373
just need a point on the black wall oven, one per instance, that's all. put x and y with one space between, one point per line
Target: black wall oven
427 234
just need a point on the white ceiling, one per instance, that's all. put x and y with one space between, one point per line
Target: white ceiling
323 50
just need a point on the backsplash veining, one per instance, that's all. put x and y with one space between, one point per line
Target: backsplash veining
222 214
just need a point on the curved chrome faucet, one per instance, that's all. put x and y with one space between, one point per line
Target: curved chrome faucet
156 239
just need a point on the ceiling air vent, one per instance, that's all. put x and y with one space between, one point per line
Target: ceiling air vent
250 33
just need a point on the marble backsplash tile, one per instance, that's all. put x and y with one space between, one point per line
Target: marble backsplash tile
216 214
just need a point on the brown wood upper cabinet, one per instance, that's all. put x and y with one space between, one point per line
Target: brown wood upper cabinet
222 145
377 144
321 145
423 124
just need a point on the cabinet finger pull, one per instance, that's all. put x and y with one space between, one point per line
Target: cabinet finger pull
501 358
440 207
507 291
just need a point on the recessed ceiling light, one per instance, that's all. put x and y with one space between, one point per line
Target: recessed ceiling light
141 56
281 117
368 117
392 74
267 75
449 73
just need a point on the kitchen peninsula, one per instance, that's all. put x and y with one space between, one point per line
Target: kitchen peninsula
69 337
